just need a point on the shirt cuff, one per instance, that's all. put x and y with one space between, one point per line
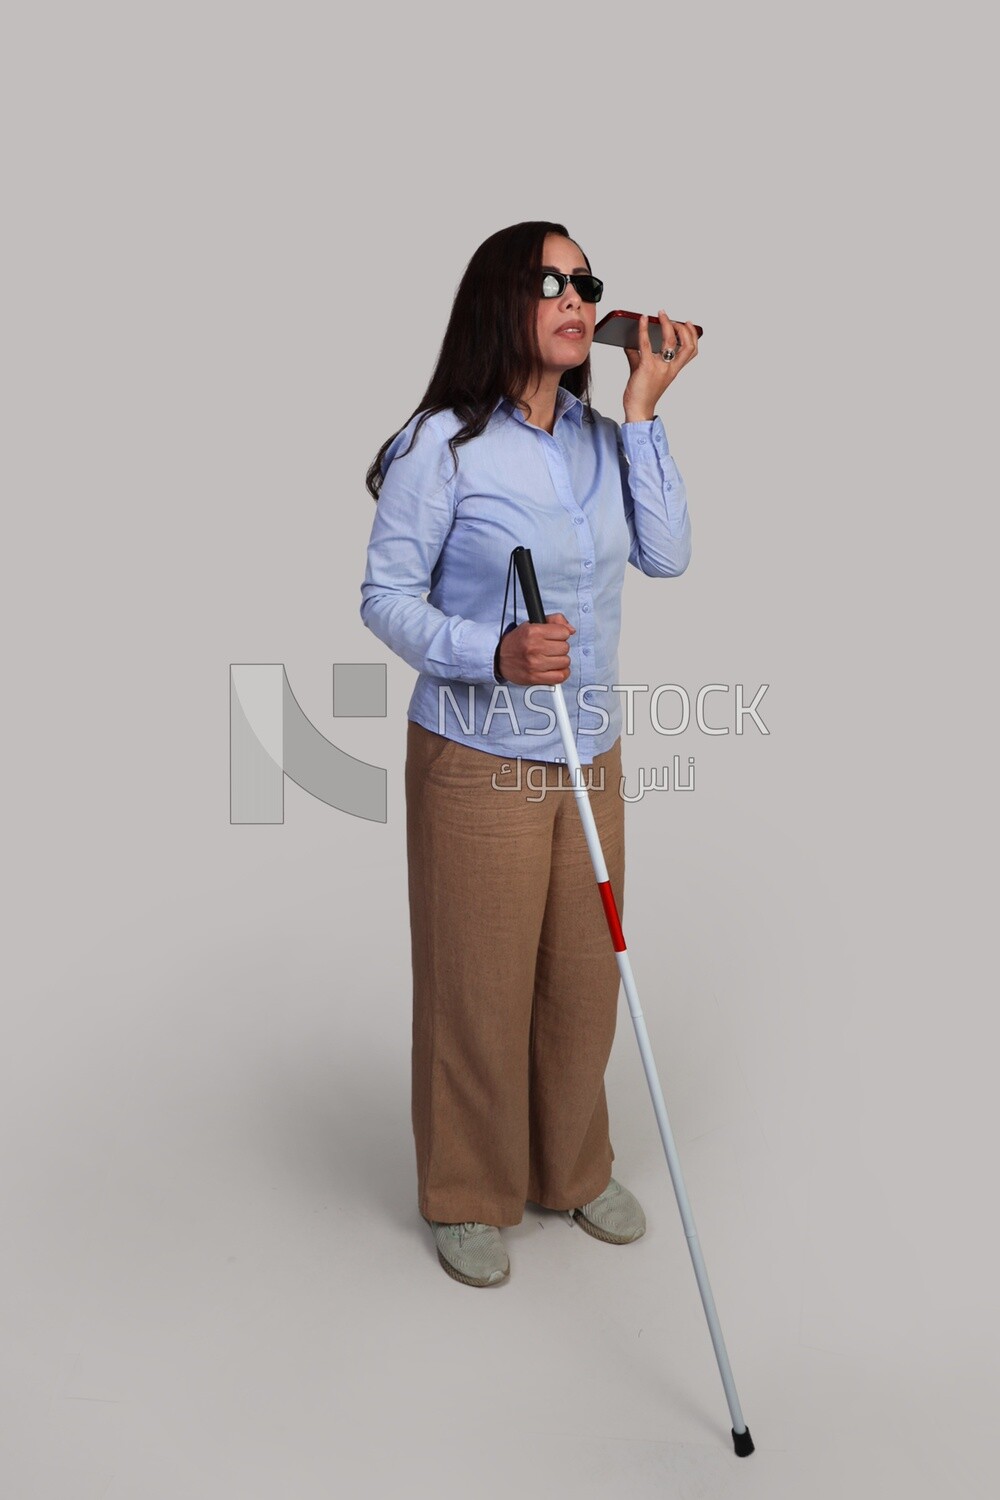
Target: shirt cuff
479 643
645 440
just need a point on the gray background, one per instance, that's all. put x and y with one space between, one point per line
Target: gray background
233 235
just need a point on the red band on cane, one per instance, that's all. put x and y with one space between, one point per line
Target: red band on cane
611 912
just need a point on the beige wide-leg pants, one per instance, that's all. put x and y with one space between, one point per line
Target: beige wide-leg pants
515 984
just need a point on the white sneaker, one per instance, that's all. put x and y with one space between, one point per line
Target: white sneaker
472 1253
615 1216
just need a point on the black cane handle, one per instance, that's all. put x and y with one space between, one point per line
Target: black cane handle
529 585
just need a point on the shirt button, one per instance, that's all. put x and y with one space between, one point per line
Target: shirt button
669 485
586 609
641 441
586 650
578 520
588 564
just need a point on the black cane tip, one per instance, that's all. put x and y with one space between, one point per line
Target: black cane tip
742 1442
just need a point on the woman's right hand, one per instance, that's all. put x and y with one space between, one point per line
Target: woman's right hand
537 653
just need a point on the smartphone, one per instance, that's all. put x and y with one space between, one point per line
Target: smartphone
622 329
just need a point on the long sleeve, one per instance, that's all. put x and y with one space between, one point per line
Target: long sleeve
414 514
585 499
655 501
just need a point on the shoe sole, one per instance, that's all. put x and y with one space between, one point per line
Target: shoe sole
604 1234
457 1275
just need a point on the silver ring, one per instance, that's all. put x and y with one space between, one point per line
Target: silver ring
667 354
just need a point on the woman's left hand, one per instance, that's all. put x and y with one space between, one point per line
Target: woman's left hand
651 373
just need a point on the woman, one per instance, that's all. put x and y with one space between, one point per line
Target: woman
515 985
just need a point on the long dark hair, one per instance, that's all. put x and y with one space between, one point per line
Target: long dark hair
490 347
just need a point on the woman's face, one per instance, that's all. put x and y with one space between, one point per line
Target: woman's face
565 324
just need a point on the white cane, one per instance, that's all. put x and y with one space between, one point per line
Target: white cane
742 1441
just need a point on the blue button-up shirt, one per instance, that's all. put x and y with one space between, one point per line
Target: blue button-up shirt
585 498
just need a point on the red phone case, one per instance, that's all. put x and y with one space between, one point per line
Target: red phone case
621 329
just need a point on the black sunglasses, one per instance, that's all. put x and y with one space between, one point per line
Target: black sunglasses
554 283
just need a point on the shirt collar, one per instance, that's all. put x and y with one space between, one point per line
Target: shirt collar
567 405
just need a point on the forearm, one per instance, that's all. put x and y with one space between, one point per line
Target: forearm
655 501
439 645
